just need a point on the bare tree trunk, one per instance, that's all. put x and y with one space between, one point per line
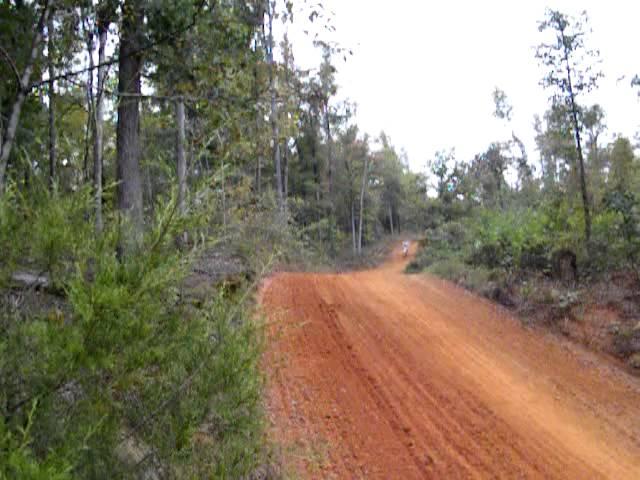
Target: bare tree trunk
353 227
316 172
332 210
259 159
576 127
362 192
327 128
103 30
181 164
224 194
285 180
52 94
180 157
23 90
275 128
128 129
91 118
391 219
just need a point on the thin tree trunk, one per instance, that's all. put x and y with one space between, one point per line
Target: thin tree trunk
391 219
576 127
285 180
327 128
332 213
128 128
316 172
224 195
23 90
362 192
275 128
52 94
180 157
91 119
259 159
103 30
353 227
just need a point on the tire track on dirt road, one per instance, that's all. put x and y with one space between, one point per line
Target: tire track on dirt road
378 374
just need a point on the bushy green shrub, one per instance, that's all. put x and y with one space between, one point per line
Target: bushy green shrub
477 278
126 374
450 269
510 239
441 243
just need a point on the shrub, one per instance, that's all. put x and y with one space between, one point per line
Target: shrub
510 239
477 278
127 370
450 269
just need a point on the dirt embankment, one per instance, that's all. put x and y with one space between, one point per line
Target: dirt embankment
377 374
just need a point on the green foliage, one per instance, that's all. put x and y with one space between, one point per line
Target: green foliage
451 269
127 359
509 239
17 459
9 224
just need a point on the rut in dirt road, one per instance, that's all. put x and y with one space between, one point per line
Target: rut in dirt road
378 374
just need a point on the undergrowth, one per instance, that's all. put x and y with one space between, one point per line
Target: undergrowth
112 373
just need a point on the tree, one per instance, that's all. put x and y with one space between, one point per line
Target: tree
104 17
503 108
569 77
52 103
622 164
23 87
503 111
363 190
128 130
275 127
391 170
593 119
354 153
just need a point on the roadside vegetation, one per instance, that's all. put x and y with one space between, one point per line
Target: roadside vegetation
556 240
157 161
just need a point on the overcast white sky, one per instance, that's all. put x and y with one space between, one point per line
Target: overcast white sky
424 71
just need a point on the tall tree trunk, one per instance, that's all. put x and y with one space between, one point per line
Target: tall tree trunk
52 98
327 129
285 179
275 127
128 128
91 118
353 227
391 219
181 164
332 212
318 187
23 90
103 30
259 160
576 128
256 93
362 192
224 194
181 161
316 172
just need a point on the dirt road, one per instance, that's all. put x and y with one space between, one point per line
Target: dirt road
378 374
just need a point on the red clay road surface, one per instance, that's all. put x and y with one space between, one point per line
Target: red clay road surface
378 374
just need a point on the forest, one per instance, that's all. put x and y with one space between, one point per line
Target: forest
159 159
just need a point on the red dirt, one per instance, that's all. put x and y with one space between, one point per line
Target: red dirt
378 374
